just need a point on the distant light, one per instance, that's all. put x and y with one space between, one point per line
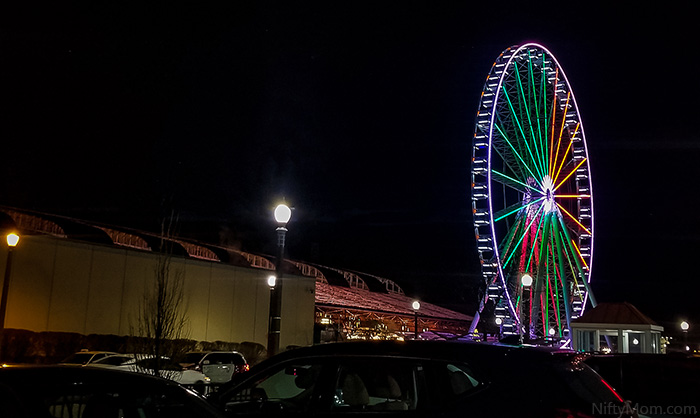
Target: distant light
12 239
272 281
551 331
526 280
684 324
415 305
635 341
283 214
499 321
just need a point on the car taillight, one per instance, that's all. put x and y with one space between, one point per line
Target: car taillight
244 368
619 398
565 413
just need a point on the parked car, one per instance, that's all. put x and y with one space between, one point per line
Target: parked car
219 366
146 364
421 379
85 357
666 384
91 392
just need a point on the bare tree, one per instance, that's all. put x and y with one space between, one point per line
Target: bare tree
162 318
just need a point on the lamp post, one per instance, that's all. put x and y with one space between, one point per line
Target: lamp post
416 306
12 240
525 281
684 327
282 216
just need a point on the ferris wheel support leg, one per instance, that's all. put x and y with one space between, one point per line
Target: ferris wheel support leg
562 278
477 316
475 321
578 265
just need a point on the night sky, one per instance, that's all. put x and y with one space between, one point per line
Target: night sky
360 116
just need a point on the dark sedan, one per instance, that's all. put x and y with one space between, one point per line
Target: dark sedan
422 379
81 392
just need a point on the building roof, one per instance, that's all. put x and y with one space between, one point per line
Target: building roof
396 303
615 313
334 287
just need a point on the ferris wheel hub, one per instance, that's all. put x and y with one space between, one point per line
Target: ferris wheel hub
548 192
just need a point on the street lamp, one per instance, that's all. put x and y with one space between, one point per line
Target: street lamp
416 306
525 281
12 240
271 281
282 216
684 327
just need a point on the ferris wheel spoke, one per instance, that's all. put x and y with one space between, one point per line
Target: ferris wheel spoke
553 116
525 100
534 246
543 87
507 242
504 213
569 175
573 219
568 148
509 164
514 116
536 101
561 131
554 287
522 236
513 183
583 276
562 277
517 154
572 196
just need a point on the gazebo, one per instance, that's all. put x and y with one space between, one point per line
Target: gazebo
616 328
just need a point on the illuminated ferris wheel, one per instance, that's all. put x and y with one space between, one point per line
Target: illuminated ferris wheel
531 197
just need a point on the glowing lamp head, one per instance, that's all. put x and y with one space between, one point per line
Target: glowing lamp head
499 321
272 281
526 280
12 239
283 214
552 331
685 326
415 305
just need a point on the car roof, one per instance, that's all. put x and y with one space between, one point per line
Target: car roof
423 349
69 374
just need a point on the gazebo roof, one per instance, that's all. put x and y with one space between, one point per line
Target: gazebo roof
615 313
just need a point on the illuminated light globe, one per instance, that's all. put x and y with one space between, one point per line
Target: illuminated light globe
532 200
283 214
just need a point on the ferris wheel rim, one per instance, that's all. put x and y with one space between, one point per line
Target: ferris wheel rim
514 54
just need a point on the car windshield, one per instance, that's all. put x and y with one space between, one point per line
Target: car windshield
78 358
163 364
114 360
193 358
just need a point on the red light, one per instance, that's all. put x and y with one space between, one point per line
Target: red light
612 390
565 413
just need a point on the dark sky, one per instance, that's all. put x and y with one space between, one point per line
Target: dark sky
360 115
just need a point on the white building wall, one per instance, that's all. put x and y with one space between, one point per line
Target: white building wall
62 285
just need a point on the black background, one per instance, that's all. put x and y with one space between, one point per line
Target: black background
360 116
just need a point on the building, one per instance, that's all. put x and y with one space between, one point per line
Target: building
616 328
70 275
